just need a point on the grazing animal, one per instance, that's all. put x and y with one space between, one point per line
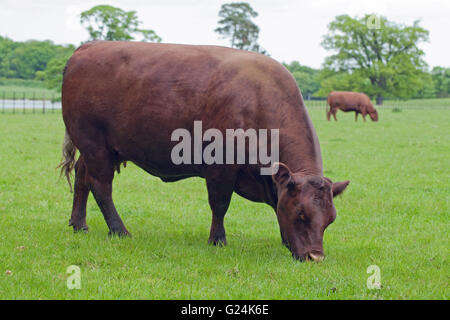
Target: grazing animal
351 101
121 101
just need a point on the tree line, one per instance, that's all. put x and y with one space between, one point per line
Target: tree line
368 54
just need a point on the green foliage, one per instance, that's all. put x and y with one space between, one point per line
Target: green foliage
237 25
384 61
53 74
7 46
425 87
104 22
441 80
306 78
29 59
335 81
23 59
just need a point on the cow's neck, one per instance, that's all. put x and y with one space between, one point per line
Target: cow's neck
299 145
299 150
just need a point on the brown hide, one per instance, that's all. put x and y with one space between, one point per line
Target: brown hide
122 100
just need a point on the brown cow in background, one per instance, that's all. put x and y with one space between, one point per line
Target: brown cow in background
351 101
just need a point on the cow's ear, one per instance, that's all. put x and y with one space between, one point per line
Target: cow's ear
339 187
281 174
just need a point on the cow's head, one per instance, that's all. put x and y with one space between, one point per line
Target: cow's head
305 208
373 115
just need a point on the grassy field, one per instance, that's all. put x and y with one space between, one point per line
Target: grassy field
28 89
417 103
395 214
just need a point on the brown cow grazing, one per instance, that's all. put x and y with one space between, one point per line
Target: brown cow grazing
351 101
122 101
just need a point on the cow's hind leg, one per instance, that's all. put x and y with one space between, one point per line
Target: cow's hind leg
81 193
220 185
334 114
100 173
330 111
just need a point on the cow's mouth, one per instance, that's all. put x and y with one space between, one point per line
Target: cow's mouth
314 256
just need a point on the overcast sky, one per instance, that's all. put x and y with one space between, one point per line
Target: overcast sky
290 29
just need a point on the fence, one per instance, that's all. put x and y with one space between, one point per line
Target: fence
43 102
29 102
415 104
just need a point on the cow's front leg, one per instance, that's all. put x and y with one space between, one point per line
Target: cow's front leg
220 185
356 116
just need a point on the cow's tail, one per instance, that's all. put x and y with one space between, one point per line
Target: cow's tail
68 158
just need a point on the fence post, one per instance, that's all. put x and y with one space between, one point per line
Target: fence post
34 101
43 103
4 101
14 102
24 102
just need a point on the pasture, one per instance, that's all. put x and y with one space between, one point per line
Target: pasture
395 214
26 89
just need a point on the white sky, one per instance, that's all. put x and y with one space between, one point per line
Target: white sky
290 29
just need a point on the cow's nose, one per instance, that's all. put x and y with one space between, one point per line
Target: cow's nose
317 257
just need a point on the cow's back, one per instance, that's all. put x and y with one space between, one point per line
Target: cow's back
346 100
136 94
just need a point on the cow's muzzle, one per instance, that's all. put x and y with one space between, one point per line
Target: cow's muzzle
310 256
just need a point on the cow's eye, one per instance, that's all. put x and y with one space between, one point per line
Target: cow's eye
301 215
317 200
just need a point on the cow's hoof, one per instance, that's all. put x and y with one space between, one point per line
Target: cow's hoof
79 226
119 233
218 241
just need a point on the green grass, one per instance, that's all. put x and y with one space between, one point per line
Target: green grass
395 214
417 103
28 89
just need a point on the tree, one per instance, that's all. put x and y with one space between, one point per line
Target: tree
53 73
7 46
306 78
425 87
24 59
381 60
105 22
29 57
236 24
441 80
